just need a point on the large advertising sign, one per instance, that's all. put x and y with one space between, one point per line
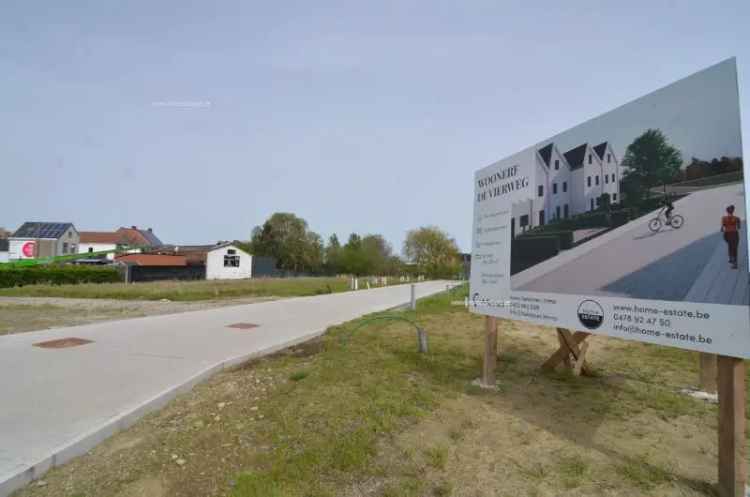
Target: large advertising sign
631 224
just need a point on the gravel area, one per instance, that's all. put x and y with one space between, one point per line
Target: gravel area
23 314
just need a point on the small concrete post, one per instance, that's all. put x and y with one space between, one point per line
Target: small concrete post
356 283
422 340
413 304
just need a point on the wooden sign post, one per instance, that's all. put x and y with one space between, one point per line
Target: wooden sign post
708 372
732 465
488 379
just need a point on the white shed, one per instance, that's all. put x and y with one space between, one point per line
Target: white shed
228 262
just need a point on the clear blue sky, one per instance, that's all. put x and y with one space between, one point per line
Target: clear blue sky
357 116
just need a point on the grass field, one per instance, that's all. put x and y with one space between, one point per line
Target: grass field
359 412
188 290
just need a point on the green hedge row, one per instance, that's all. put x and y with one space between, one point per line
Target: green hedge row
57 275
565 237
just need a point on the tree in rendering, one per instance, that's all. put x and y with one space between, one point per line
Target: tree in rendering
649 161
433 252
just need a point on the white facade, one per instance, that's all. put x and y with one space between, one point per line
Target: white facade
4 257
567 184
88 247
228 262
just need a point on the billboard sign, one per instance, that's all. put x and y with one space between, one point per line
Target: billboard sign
631 224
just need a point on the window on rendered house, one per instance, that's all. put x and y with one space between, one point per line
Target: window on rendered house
613 177
541 190
524 220
606 178
609 158
597 180
565 186
588 181
565 211
590 159
557 212
541 218
554 188
614 197
557 164
592 204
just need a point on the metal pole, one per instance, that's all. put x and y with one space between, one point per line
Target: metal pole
413 305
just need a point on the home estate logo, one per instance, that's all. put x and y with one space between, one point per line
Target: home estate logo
591 314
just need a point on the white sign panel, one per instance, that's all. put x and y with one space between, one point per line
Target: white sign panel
630 225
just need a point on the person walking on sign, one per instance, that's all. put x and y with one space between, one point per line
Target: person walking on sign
730 226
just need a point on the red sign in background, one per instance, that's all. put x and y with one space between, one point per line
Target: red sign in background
28 249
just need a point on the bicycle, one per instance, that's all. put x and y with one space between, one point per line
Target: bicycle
675 221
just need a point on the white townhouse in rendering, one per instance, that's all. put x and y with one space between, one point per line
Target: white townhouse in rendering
568 183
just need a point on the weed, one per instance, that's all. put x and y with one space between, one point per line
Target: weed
436 457
298 375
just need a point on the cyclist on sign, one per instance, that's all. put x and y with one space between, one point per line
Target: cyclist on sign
667 202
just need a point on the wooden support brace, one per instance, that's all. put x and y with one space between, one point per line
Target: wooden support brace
569 348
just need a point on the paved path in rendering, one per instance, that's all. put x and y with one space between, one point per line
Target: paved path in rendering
58 403
668 265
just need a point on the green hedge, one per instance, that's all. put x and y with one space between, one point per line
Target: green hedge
57 275
528 251
565 237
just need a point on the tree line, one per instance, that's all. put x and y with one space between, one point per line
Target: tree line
286 237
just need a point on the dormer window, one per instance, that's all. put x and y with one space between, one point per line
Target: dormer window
609 158
590 159
557 164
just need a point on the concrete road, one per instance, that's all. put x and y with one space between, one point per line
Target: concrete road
59 403
631 261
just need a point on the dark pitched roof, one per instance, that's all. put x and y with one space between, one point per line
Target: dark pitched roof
546 153
136 236
575 156
4 244
600 149
41 230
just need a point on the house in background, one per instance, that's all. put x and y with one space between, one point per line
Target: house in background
223 261
4 243
97 241
152 260
40 239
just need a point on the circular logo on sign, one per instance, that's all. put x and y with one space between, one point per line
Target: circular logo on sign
591 314
28 249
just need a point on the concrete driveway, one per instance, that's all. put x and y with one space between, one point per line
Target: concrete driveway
58 403
685 264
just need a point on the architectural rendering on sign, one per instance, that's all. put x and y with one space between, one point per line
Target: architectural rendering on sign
607 225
